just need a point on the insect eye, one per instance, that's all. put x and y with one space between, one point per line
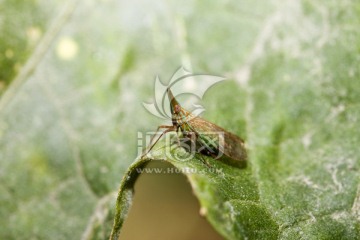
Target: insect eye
177 109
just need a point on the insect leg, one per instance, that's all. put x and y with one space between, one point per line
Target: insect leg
168 129
177 136
204 161
194 139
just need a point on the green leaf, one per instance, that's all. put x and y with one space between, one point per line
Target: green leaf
73 78
228 196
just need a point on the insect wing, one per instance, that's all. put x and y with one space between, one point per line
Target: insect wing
234 147
218 139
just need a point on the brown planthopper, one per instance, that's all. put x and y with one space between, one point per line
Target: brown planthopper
208 138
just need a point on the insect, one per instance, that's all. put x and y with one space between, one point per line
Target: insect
208 138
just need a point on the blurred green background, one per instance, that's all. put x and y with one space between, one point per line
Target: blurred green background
74 74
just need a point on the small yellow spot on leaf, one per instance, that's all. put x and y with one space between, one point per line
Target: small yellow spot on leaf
67 48
33 33
203 211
